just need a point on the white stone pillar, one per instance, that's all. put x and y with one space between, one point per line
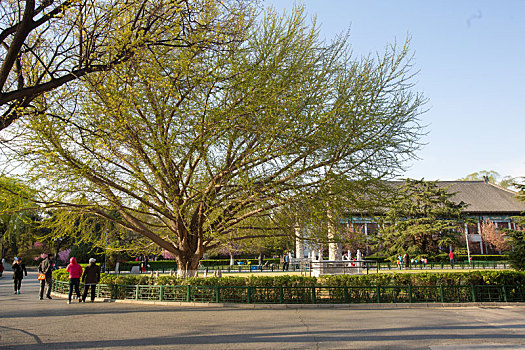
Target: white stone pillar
466 241
299 244
480 238
359 257
366 239
335 249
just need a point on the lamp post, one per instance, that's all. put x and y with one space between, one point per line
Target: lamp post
105 251
466 241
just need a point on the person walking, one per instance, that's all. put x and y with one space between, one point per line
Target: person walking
46 267
19 269
90 277
75 272
1 267
451 257
286 262
406 260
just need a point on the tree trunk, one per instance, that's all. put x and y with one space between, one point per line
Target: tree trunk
187 266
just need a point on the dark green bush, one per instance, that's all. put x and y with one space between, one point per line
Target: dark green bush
464 257
377 258
153 265
517 256
172 265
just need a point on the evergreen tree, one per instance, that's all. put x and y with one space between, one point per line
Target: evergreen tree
420 219
517 237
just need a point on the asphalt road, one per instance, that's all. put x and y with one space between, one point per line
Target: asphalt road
28 323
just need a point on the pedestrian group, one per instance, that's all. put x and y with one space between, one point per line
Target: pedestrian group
90 276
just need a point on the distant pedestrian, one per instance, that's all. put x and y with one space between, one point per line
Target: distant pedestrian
1 267
143 263
451 257
46 267
19 269
286 264
75 272
90 277
406 260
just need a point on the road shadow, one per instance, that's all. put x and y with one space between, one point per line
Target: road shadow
273 340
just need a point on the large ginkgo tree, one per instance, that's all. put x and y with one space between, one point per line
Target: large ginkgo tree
198 146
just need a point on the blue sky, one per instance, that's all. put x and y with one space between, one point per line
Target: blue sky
471 58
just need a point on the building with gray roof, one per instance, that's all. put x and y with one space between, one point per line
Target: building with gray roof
485 202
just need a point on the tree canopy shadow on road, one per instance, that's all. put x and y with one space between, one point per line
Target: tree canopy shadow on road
283 338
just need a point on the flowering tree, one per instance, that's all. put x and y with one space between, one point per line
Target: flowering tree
63 255
497 238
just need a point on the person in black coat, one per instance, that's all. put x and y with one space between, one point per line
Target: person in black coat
90 277
46 267
18 274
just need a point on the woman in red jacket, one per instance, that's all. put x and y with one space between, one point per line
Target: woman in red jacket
75 272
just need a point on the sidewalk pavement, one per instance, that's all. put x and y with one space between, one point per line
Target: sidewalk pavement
28 323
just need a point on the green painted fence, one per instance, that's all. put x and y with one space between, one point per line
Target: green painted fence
309 295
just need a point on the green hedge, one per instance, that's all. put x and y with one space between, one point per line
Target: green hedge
153 265
386 279
443 258
171 264
464 257
223 262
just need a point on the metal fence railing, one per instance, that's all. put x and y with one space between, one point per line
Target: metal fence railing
309 295
223 268
369 266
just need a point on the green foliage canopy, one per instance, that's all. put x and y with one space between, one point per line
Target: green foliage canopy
517 237
420 219
19 218
196 145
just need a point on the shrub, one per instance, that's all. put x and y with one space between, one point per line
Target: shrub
517 256
172 264
475 257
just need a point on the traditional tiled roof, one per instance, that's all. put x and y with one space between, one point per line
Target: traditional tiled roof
484 197
481 198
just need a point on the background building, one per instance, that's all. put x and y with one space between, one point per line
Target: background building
485 202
